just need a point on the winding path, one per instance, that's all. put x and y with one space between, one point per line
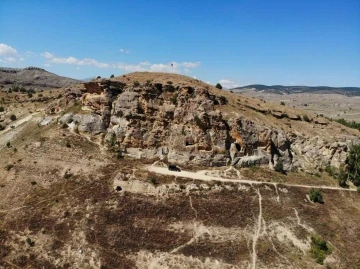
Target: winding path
201 176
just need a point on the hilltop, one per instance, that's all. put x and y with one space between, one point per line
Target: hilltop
33 77
84 181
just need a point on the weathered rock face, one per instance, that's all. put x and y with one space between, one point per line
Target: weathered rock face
181 123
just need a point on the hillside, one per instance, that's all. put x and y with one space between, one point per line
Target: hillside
33 77
84 181
279 89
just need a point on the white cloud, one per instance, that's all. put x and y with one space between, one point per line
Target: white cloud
125 51
73 60
173 67
30 54
22 59
7 51
48 65
10 59
228 83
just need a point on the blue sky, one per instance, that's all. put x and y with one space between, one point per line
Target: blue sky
235 42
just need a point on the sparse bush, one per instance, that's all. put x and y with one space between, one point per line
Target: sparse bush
119 155
218 85
316 196
282 103
1 127
40 95
279 167
112 76
169 88
358 189
169 82
350 124
111 141
148 82
64 125
12 117
136 83
354 164
30 95
140 109
119 113
319 249
33 183
173 98
30 242
154 181
8 144
2 109
8 167
98 77
306 118
342 177
197 120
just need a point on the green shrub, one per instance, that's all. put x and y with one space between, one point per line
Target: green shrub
197 120
169 88
358 189
136 83
342 177
12 117
279 167
112 76
316 196
2 109
306 118
30 242
154 181
354 164
218 85
173 98
350 124
111 141
319 249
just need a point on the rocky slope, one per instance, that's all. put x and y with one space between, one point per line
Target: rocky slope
186 121
33 77
70 199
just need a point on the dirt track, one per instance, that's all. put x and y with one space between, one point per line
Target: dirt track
200 176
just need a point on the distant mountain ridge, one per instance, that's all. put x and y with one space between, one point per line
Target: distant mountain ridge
33 77
280 89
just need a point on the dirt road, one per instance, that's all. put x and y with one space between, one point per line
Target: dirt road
201 176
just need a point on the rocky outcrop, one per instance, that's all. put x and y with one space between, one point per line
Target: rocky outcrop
182 124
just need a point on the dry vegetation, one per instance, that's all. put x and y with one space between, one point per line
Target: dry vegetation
59 209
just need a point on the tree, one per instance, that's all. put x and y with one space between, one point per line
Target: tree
98 77
112 76
218 86
353 164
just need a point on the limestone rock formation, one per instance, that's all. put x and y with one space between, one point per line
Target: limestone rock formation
187 124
